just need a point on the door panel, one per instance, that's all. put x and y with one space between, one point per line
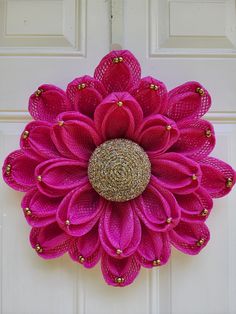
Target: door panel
175 41
179 41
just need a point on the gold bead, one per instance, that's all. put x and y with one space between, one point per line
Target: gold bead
156 262
204 212
8 169
81 259
168 127
61 123
200 91
200 242
38 248
67 222
208 133
119 280
119 103
169 220
38 92
153 87
39 178
118 251
28 211
194 177
229 183
117 60
81 86
25 134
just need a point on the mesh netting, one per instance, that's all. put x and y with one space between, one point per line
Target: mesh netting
86 249
218 177
18 171
176 173
119 272
85 93
196 140
61 205
186 101
50 241
154 249
118 76
195 207
151 94
47 102
39 210
190 238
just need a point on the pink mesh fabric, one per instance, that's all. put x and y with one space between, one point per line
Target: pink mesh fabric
47 102
68 216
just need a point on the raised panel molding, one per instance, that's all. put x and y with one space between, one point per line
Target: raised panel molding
192 27
35 27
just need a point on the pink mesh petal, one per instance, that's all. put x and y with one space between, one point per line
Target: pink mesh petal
18 171
157 208
127 269
151 94
38 141
118 76
153 246
190 238
119 230
196 206
218 177
56 177
48 103
197 139
155 136
82 208
50 241
114 121
75 139
184 102
176 173
74 115
39 210
85 93
87 248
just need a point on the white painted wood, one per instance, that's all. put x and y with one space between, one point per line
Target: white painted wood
204 284
178 41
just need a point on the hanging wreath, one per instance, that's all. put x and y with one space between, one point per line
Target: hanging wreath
116 168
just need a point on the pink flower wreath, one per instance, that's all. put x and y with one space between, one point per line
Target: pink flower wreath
117 168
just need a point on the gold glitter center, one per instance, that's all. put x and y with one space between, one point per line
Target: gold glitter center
119 170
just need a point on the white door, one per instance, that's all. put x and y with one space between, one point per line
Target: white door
54 41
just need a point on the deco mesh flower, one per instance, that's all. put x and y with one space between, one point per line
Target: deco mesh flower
117 169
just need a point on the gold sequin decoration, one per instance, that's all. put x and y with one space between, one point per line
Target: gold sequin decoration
38 92
28 211
118 251
208 133
8 169
204 212
25 134
200 242
117 60
119 280
81 86
153 87
156 262
229 183
81 259
119 103
39 178
119 170
38 248
200 91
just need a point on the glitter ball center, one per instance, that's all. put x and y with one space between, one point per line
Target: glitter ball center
119 170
